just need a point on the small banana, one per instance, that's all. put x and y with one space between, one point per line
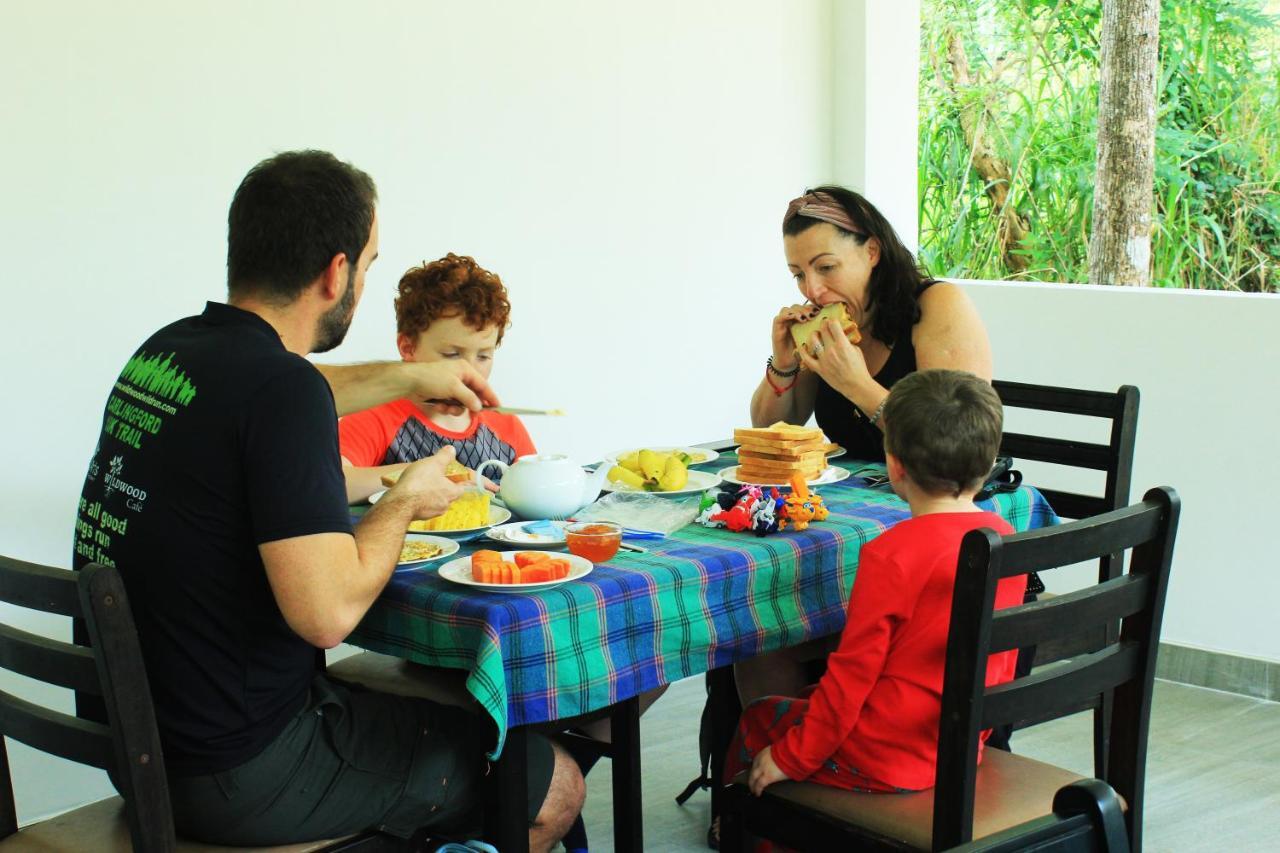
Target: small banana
618 474
652 464
630 461
674 475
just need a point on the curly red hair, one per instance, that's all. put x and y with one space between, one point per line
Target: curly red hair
454 285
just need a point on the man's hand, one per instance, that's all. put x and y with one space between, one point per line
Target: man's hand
764 772
357 387
452 381
424 488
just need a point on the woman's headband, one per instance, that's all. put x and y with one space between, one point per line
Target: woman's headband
824 207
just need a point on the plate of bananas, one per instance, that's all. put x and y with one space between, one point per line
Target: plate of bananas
661 471
695 455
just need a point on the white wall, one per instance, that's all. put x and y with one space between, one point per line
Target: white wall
623 166
876 72
1205 364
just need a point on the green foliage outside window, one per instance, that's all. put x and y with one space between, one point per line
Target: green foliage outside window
1031 101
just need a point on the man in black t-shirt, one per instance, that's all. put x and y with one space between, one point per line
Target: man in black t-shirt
217 490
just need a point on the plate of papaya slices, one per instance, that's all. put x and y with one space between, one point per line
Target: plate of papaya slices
515 571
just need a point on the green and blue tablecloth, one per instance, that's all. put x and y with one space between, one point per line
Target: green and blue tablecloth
699 599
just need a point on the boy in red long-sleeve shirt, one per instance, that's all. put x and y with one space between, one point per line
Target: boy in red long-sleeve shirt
872 722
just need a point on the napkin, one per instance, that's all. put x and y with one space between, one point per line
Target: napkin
543 528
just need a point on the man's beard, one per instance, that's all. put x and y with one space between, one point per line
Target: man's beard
333 326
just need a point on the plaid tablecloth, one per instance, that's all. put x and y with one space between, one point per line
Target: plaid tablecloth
699 599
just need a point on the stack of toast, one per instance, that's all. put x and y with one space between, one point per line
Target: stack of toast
775 453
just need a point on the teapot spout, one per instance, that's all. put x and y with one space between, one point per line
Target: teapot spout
595 482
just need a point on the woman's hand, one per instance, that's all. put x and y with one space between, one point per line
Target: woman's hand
839 362
764 772
783 346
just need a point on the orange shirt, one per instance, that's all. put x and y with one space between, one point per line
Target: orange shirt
877 706
399 432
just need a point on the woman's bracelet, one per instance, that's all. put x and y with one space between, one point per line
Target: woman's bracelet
779 390
785 374
875 416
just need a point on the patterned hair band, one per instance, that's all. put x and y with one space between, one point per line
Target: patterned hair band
823 207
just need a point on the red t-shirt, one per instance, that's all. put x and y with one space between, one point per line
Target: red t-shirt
877 707
399 432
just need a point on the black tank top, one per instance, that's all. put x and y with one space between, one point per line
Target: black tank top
844 423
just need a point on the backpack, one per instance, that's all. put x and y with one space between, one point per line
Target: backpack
722 704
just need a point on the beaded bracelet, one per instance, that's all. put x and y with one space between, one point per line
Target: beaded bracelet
785 374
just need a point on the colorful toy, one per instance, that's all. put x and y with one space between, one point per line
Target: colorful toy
709 506
738 517
759 510
802 506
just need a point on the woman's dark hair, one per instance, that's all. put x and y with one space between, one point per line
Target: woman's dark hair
892 293
290 215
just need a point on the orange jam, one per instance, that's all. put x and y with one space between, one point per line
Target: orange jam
594 541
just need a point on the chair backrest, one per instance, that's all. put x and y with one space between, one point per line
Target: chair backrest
1087 818
1115 458
1125 664
128 747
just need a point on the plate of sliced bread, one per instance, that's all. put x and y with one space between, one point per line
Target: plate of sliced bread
772 455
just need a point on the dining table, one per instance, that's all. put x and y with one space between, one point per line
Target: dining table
697 600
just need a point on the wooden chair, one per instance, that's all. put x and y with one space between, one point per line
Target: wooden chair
1006 790
1087 817
129 747
1115 460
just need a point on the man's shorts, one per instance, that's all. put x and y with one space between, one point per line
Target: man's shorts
353 760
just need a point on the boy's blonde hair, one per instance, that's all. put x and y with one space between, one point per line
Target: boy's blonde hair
944 426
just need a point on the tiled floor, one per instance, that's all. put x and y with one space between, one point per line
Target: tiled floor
1213 771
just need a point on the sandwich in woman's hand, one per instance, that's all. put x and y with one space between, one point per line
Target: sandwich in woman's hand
801 332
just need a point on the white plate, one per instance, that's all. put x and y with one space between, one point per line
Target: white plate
708 455
837 453
459 571
832 474
448 548
513 533
699 481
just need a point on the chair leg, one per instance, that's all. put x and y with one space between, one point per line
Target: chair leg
733 838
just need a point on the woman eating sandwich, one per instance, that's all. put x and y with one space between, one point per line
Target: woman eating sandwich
840 249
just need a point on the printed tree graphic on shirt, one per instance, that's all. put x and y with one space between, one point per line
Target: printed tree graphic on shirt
162 378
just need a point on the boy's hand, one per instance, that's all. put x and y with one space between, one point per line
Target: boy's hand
764 772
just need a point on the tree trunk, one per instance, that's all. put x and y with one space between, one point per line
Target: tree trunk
975 113
1120 245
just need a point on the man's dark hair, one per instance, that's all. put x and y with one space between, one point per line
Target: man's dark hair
944 426
291 214
894 289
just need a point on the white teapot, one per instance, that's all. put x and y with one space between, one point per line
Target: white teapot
547 485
